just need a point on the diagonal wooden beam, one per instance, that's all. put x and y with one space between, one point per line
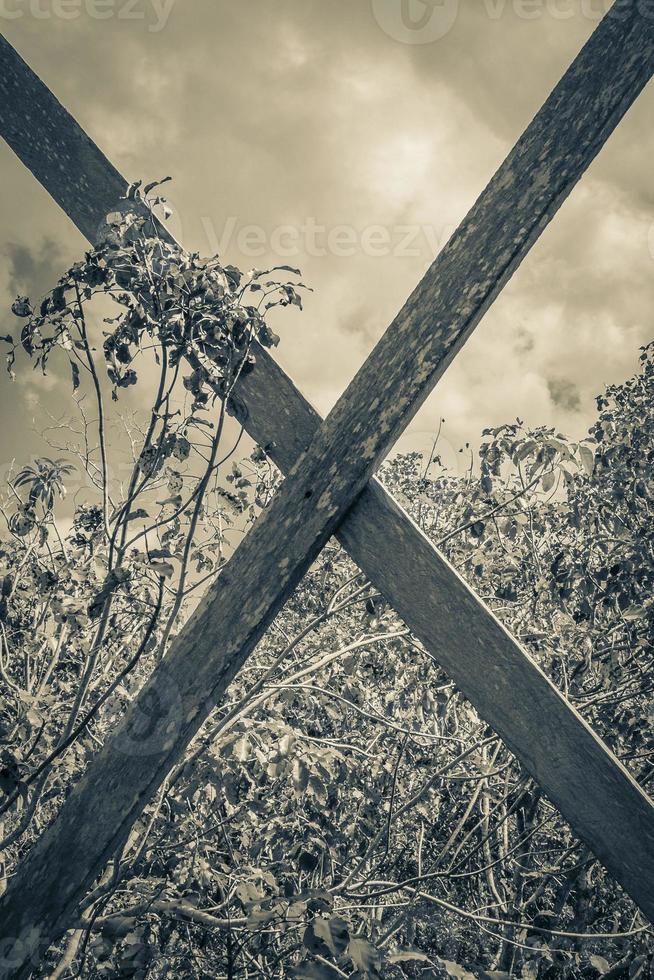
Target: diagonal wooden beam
432 326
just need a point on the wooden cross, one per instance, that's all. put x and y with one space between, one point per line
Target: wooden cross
330 489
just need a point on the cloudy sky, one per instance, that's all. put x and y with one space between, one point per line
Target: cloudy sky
333 136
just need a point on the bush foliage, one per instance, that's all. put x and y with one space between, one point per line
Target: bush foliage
347 813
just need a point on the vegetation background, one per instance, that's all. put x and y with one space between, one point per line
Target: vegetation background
347 812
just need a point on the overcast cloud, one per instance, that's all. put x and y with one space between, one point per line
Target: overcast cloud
330 134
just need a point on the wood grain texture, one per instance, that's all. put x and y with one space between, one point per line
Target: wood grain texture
578 773
54 147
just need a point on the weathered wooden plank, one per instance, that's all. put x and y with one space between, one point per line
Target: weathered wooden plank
54 147
463 282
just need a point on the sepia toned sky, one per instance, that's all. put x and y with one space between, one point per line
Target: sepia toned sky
333 135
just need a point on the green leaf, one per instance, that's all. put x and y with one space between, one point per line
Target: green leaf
300 775
307 861
364 956
587 457
163 568
21 307
118 925
408 956
634 613
477 529
261 917
241 750
334 933
286 268
155 183
549 479
318 789
138 514
182 448
286 743
58 299
455 971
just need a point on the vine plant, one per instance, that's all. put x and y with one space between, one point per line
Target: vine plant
86 607
346 813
